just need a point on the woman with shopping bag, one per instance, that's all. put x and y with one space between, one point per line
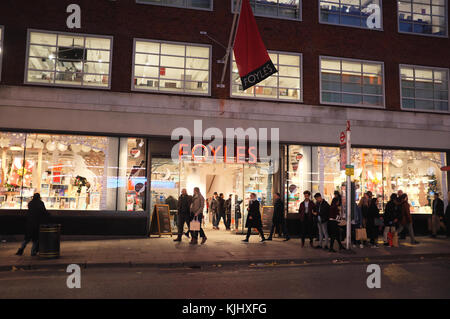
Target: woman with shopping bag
198 203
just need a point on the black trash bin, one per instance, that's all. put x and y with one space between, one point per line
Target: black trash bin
49 239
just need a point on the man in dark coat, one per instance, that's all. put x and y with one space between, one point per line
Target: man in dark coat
220 210
322 213
391 217
278 220
37 214
305 211
437 214
253 218
213 208
184 213
228 212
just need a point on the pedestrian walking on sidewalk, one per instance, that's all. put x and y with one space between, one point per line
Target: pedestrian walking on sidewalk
220 211
197 205
228 212
391 217
372 216
362 211
322 213
37 214
213 207
406 219
333 223
278 220
254 218
305 211
184 213
437 215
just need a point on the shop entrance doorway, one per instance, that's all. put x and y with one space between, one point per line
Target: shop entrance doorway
236 179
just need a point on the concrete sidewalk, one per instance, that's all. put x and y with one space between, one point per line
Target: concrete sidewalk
221 248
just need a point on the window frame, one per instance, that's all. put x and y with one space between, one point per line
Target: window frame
134 89
383 107
353 26
423 34
269 98
111 38
2 49
428 68
300 18
176 6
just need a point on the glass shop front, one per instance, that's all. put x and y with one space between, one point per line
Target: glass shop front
99 184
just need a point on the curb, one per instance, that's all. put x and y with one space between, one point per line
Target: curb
258 263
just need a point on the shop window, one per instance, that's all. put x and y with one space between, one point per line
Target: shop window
299 178
172 67
353 13
191 4
423 17
65 59
12 172
72 172
424 88
284 9
381 172
417 174
1 49
286 84
352 82
132 174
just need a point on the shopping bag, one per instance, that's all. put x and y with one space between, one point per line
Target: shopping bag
395 239
361 234
194 225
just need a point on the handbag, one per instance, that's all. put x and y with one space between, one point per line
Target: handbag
361 234
342 222
194 224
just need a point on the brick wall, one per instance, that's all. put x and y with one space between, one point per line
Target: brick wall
124 20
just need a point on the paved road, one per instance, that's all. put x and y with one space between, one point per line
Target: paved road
427 279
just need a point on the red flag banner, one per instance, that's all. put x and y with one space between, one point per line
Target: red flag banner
251 55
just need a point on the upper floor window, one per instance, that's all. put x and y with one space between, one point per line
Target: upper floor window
424 88
67 59
1 50
428 17
192 4
286 84
285 9
351 82
354 13
171 67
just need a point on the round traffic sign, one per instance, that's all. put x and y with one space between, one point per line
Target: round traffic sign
342 137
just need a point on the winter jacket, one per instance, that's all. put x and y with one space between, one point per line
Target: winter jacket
198 202
406 213
278 212
306 213
37 214
254 212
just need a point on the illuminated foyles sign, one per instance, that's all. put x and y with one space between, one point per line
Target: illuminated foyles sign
235 146
210 154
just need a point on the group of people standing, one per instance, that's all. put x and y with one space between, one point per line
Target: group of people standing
321 216
220 209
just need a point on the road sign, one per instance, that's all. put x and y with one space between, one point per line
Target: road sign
342 137
349 170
